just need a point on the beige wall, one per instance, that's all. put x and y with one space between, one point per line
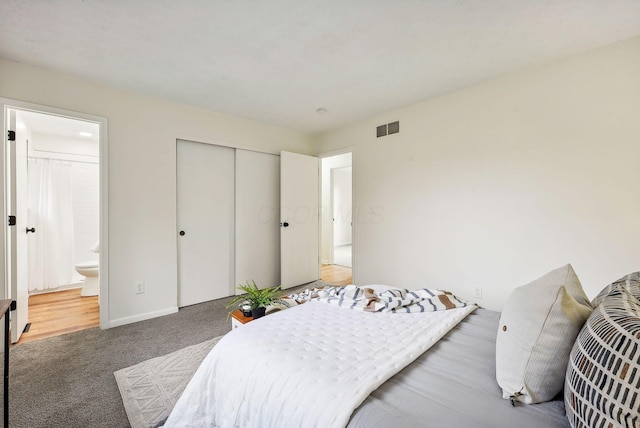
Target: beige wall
493 185
142 174
501 182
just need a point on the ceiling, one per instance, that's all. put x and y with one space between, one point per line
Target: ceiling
278 62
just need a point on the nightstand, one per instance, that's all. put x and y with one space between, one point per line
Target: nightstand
237 319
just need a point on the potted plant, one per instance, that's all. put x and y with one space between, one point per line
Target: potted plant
257 299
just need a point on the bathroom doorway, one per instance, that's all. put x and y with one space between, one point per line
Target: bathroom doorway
337 219
63 222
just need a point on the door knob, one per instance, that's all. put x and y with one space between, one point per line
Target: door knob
182 233
32 230
285 224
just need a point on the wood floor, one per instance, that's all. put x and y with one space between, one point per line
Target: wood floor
53 314
337 275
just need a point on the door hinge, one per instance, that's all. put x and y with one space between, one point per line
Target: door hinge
12 220
11 135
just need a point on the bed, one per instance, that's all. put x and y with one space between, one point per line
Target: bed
450 383
453 384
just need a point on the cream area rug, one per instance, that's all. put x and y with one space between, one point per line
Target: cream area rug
151 388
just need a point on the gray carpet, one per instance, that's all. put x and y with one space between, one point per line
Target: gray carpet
67 381
151 388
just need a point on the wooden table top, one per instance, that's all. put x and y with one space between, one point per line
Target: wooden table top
237 314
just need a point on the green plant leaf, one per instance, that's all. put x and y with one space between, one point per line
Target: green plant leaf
255 297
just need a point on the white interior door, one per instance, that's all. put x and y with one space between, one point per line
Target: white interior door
18 250
205 199
299 217
257 218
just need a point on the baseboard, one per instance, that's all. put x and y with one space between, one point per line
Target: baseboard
141 317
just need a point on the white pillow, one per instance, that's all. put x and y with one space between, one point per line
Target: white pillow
538 326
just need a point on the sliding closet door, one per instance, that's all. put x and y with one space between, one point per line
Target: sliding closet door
257 218
206 205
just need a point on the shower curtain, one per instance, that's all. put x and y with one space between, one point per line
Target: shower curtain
51 213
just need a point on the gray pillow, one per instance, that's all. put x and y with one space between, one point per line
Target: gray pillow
538 326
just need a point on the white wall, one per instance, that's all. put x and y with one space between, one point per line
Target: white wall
342 201
327 164
499 183
85 188
142 174
57 144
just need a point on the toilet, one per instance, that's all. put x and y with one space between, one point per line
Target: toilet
90 270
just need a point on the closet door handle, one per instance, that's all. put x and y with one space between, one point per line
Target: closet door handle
182 233
32 230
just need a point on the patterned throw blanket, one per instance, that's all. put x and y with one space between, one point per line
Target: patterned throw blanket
391 300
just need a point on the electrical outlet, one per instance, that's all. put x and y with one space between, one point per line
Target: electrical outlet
477 292
139 287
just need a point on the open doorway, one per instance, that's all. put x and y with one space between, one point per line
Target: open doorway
337 221
54 187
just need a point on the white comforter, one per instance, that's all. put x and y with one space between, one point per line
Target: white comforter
308 366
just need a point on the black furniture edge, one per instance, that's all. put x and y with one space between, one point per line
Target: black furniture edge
5 307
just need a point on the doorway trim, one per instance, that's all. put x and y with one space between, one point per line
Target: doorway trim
322 156
103 141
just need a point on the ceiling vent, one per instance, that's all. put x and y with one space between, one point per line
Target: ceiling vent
388 129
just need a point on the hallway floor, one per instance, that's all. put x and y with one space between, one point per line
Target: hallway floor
60 312
336 275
